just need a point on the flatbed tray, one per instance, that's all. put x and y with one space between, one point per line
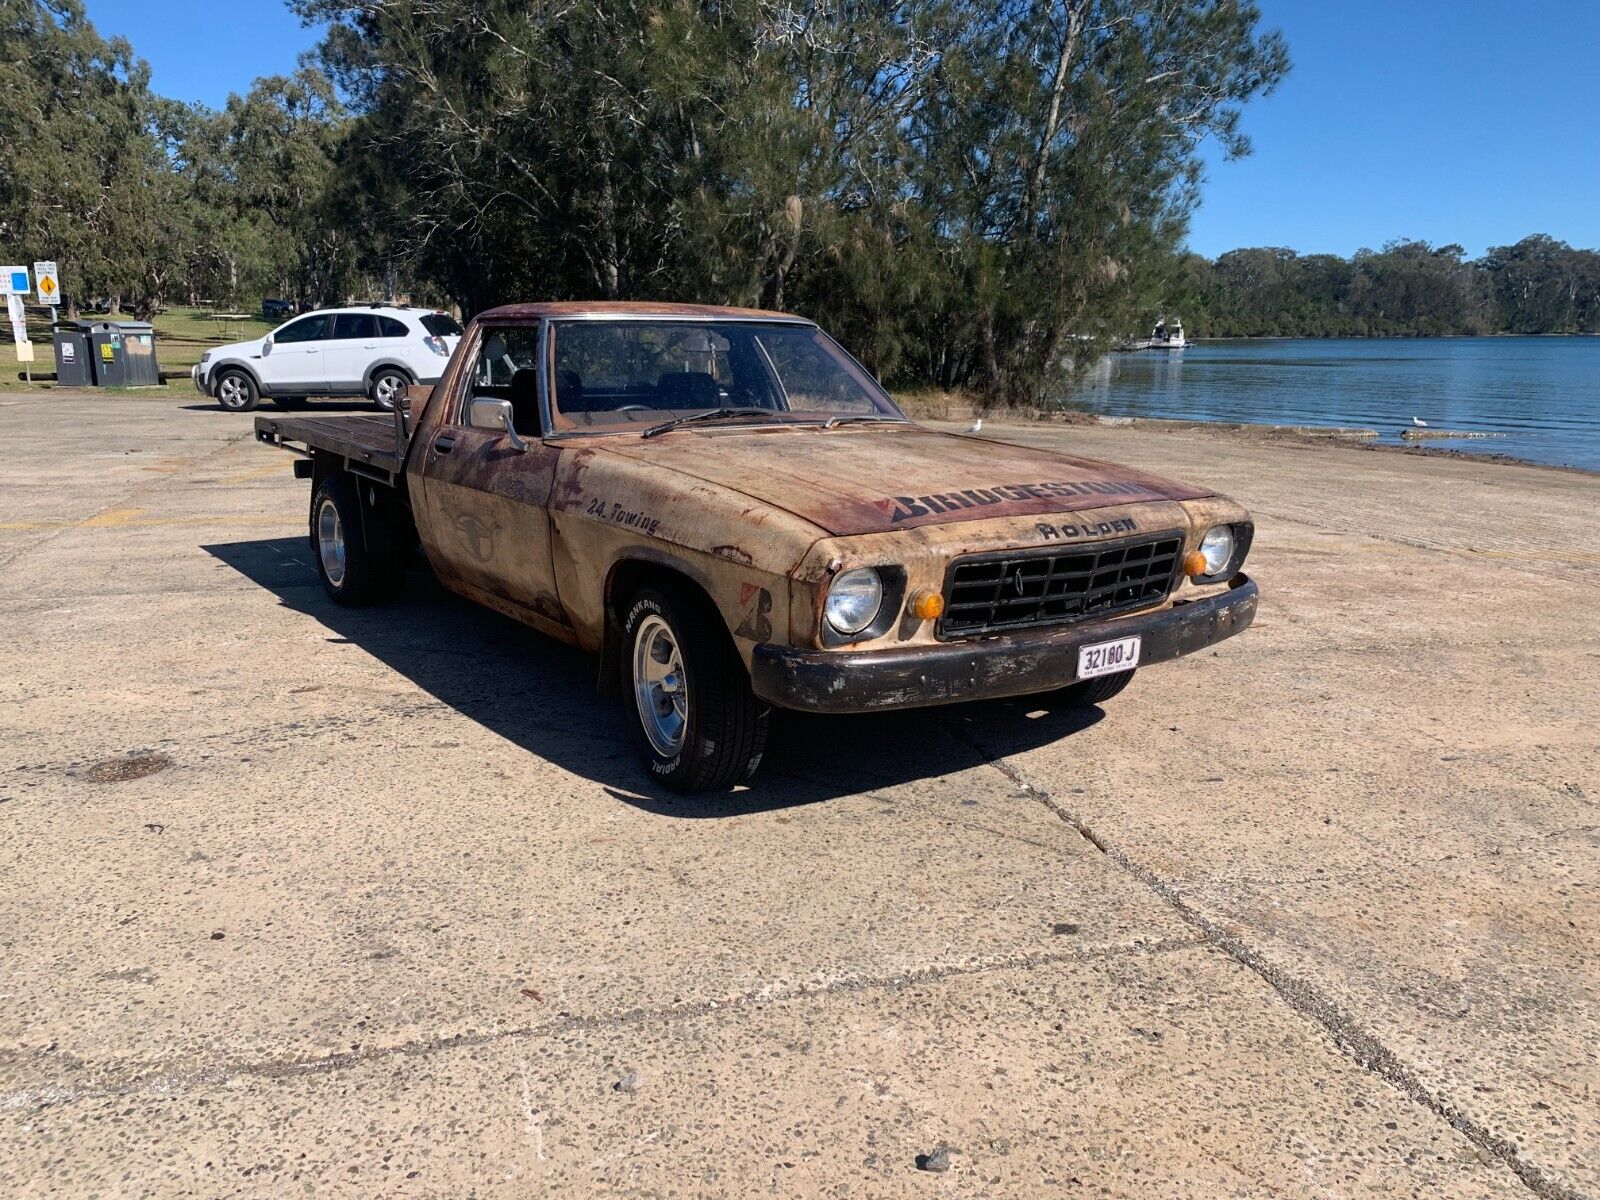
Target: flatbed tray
368 443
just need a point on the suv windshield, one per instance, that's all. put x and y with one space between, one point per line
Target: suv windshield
622 373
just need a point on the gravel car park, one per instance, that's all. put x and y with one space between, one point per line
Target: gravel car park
375 351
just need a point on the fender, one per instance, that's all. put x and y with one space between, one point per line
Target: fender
394 363
223 364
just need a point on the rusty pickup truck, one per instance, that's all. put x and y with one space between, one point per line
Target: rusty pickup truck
729 510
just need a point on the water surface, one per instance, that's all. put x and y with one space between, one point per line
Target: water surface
1543 393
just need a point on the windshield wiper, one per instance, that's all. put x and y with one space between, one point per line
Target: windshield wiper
710 414
835 422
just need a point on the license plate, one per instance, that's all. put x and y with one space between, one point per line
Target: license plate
1107 658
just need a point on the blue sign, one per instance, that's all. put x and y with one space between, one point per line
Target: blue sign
19 281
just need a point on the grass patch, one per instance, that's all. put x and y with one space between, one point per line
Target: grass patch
182 335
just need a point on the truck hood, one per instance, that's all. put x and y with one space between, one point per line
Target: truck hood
870 479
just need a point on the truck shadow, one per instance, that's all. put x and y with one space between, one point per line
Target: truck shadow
540 695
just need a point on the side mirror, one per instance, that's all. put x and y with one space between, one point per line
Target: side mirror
489 413
266 347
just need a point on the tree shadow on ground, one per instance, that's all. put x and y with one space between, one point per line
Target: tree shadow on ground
540 695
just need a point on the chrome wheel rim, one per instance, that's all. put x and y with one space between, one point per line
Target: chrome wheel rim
659 688
231 392
388 387
330 542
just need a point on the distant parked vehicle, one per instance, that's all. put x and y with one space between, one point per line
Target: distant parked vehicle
375 351
276 310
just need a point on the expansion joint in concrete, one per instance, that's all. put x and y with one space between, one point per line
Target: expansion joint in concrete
1356 1042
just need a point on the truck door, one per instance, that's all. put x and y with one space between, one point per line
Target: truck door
483 511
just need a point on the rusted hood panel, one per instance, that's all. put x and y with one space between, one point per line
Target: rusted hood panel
859 479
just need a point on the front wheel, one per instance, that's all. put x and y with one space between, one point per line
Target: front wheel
388 386
1096 691
694 719
237 392
355 568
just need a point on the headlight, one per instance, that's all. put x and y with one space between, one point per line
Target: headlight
854 600
205 358
1217 548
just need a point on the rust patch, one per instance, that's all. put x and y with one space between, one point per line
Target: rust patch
734 554
570 491
121 770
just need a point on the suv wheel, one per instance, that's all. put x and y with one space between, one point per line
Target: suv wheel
236 391
388 385
355 569
696 723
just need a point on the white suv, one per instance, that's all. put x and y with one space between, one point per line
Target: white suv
373 351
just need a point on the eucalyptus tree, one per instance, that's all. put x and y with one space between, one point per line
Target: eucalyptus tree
962 187
1063 163
80 167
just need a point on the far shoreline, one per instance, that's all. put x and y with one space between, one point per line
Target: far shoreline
1366 337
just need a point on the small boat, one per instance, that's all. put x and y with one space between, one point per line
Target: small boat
1167 335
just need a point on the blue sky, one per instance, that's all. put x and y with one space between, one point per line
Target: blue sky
1471 121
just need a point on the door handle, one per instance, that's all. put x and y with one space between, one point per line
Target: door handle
444 443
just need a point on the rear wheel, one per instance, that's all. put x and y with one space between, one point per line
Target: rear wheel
694 719
355 568
388 385
237 392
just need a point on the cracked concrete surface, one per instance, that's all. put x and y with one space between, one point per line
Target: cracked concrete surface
1310 916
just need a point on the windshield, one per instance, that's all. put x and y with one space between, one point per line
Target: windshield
612 374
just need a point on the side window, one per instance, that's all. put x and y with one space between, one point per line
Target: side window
507 369
306 329
355 325
390 328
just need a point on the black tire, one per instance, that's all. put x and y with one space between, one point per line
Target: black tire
724 724
369 570
1096 691
236 391
387 386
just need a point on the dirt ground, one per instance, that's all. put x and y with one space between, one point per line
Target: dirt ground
303 901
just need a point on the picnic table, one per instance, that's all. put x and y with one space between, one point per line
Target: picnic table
228 324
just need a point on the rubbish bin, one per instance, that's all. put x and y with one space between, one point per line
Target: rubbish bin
74 366
124 353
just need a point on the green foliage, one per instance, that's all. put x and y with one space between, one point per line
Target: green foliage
80 171
1408 288
957 188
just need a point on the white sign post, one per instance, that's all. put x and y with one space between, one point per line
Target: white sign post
19 328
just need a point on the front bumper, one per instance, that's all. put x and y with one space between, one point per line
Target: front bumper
1015 664
199 377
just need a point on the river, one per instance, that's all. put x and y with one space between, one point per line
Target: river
1542 393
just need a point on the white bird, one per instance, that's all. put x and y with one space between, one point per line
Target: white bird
976 426
1419 422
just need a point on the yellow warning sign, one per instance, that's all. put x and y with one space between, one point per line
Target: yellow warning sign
106 351
48 280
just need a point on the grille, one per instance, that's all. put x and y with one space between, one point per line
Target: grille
1013 591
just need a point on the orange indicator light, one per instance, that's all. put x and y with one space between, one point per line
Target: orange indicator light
927 605
1194 563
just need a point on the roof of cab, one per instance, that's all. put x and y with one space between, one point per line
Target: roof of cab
628 308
